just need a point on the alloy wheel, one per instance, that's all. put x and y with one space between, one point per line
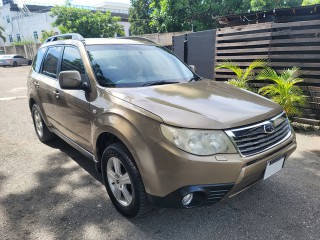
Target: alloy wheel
38 122
119 181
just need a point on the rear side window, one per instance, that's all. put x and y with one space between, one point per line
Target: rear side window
50 63
38 59
71 60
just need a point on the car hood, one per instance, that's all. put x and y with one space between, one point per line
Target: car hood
204 104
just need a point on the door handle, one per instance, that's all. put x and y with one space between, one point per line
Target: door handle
56 93
36 84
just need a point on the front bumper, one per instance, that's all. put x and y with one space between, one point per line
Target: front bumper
215 178
202 194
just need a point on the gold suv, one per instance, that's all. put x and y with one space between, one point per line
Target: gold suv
157 131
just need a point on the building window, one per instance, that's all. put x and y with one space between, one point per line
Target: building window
8 19
35 35
18 38
10 38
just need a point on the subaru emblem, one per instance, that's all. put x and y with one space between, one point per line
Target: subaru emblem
268 128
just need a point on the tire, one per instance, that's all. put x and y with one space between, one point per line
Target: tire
139 204
29 62
15 64
41 128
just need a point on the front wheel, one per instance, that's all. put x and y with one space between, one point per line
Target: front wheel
123 181
15 64
29 62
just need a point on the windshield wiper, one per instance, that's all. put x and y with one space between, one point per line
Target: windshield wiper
195 78
157 83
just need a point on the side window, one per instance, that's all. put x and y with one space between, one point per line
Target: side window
50 63
38 59
71 60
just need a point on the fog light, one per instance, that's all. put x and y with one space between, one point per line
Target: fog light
187 199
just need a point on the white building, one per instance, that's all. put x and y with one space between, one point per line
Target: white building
26 22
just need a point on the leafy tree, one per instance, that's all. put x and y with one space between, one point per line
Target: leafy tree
284 91
46 34
182 15
264 5
2 34
310 2
85 22
147 16
243 75
139 17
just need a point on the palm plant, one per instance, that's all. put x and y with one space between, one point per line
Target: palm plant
2 34
284 91
243 75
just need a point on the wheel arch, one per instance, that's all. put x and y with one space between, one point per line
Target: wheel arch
32 101
106 134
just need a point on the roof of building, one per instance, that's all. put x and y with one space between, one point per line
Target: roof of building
46 8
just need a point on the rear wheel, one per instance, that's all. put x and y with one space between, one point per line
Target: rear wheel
29 62
41 128
15 64
123 181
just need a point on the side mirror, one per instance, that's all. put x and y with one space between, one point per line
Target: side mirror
193 68
71 80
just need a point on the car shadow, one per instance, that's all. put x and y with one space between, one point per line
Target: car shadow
84 162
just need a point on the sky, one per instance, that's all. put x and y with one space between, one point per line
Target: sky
77 2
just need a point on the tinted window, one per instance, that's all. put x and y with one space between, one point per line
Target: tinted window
135 65
50 64
38 59
71 60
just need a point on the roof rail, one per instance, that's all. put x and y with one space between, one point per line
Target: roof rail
73 36
139 38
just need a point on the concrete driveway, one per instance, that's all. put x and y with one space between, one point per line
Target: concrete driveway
53 192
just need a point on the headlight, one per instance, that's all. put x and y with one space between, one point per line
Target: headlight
198 142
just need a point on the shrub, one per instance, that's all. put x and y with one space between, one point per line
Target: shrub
284 91
243 75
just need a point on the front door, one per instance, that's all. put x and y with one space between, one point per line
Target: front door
72 109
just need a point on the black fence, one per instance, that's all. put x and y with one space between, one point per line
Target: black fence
197 49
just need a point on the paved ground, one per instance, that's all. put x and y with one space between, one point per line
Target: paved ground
53 192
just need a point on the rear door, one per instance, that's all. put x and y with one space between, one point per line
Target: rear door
72 107
46 82
16 59
19 60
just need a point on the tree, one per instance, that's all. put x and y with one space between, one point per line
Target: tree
46 34
139 17
310 2
2 34
148 16
197 15
243 75
86 22
284 91
265 5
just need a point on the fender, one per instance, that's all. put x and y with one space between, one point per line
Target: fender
124 130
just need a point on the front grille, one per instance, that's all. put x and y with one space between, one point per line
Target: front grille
260 137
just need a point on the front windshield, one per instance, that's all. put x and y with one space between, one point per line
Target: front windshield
136 65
